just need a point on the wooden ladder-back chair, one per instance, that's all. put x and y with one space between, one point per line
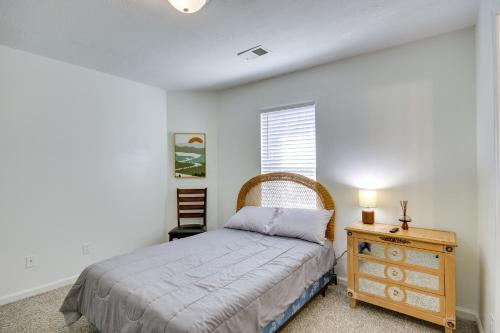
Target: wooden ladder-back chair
191 204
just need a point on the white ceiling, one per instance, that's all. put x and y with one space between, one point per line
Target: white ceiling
149 41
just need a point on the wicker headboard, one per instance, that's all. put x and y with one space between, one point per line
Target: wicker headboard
287 190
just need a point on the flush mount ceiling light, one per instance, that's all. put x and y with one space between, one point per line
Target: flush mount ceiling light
188 6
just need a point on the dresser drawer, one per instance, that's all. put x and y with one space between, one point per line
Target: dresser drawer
410 271
402 255
400 295
403 275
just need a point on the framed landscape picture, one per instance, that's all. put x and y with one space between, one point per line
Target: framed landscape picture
190 155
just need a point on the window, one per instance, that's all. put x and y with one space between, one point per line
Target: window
288 140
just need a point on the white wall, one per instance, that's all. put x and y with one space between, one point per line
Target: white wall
84 154
83 159
487 167
401 120
193 112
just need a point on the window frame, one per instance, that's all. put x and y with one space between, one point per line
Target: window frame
285 108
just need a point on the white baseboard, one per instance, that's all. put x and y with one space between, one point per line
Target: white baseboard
342 280
37 290
466 314
480 326
470 315
462 312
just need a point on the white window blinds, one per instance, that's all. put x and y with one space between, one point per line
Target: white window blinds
288 140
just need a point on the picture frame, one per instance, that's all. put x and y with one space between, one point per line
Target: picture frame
190 155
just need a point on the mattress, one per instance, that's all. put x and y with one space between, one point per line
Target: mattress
219 281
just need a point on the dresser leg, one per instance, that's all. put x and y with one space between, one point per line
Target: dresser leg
354 303
448 330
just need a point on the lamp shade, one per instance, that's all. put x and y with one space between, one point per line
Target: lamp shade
367 199
188 6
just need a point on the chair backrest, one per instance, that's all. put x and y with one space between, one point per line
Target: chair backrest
192 204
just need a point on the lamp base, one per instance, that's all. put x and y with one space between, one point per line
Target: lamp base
368 217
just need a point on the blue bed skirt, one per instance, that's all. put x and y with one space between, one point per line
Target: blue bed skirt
299 303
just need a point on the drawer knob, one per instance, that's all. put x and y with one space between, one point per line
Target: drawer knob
394 253
395 293
394 273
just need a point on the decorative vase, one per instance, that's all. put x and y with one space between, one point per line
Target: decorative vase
404 218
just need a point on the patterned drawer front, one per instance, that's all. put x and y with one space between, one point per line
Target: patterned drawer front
396 274
371 249
400 275
423 302
371 287
423 280
423 258
399 254
372 268
395 253
401 295
396 294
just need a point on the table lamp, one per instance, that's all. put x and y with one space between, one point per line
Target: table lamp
368 200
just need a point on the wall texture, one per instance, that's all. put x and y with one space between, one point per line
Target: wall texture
193 112
487 165
83 159
84 154
401 120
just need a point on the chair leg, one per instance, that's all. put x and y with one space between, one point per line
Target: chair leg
334 279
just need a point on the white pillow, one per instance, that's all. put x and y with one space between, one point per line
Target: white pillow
306 224
252 218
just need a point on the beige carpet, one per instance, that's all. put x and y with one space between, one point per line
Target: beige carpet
40 314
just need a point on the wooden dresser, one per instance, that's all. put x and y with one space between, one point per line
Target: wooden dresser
412 271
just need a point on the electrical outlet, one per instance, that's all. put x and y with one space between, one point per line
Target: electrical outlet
86 249
30 261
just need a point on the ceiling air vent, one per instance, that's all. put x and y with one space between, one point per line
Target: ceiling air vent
254 52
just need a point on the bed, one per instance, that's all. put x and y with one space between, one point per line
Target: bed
220 281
